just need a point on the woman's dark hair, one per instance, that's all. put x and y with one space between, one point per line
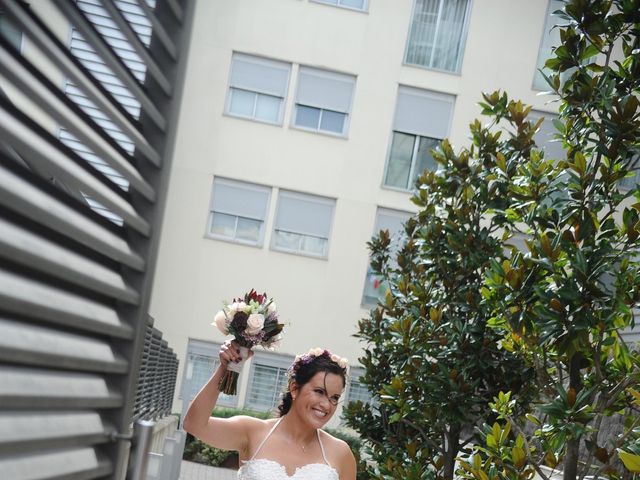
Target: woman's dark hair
305 371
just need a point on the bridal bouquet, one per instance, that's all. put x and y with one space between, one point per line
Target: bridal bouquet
252 320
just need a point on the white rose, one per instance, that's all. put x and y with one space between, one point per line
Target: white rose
243 307
343 363
221 322
272 307
232 309
316 352
255 323
335 358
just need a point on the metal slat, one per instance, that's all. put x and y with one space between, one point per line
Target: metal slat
176 10
140 49
37 300
41 207
159 31
32 250
42 346
110 59
22 387
44 153
25 77
36 430
72 463
53 49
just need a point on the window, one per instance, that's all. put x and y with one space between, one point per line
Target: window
545 137
631 182
238 211
550 38
323 101
268 381
257 88
422 119
436 38
202 361
353 4
356 390
393 220
303 224
10 32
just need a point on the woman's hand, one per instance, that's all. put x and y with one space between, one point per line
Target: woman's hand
230 353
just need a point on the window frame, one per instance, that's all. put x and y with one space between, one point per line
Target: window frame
204 349
546 30
433 94
269 360
463 41
364 9
211 212
304 196
403 216
347 120
230 88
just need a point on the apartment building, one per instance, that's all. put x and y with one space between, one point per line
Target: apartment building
304 126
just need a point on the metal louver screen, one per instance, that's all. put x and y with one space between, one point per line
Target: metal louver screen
74 285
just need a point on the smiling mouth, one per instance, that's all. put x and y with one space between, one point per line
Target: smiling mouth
320 413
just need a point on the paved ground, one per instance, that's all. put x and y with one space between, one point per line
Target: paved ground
197 471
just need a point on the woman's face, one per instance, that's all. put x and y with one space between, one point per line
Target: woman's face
316 401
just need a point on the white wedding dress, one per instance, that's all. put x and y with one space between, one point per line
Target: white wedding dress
264 469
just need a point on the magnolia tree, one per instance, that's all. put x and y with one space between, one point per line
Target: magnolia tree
563 301
431 362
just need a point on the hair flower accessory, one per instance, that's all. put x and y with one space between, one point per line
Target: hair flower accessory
311 355
252 320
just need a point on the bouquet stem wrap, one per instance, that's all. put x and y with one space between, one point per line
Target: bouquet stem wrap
229 381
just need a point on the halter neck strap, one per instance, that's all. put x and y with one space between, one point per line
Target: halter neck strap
275 425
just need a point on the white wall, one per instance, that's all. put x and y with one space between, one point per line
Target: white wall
319 299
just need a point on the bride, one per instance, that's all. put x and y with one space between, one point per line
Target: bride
292 447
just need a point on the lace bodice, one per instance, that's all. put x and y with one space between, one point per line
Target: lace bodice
263 469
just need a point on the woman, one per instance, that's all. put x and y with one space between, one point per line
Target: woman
292 446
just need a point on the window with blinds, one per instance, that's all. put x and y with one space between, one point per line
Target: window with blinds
375 287
323 101
199 367
267 383
303 224
238 211
421 121
550 38
437 35
357 391
257 88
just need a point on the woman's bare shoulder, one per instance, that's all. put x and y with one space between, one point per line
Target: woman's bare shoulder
338 447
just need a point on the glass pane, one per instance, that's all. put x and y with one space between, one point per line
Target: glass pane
359 4
287 240
424 159
201 368
268 108
358 391
423 31
224 225
248 229
314 245
374 289
307 117
242 102
400 160
448 43
332 121
266 388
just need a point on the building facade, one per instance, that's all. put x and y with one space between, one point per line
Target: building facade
304 126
